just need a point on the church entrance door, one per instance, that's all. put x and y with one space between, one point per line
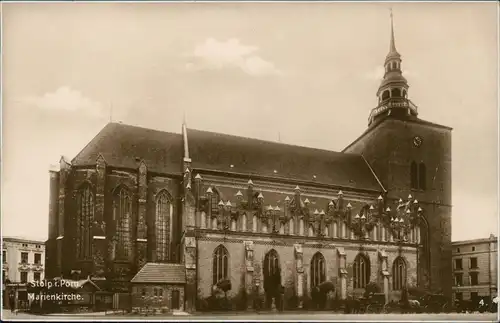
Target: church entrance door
272 279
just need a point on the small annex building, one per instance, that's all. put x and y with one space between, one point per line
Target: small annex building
159 286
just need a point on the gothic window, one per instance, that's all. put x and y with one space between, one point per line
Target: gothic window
220 264
291 227
361 271
318 272
422 176
398 274
84 218
214 202
122 215
414 175
254 223
162 226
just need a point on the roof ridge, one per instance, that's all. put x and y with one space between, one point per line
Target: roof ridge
273 142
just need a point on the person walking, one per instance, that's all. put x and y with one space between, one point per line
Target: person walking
12 302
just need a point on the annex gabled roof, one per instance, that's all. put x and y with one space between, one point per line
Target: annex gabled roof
217 152
161 273
124 145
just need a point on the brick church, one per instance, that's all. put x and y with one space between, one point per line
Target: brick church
262 215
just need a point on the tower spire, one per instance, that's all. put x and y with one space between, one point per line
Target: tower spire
393 52
392 93
393 42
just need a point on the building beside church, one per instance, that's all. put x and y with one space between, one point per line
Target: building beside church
475 268
23 262
261 214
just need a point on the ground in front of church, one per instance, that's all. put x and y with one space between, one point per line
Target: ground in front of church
249 316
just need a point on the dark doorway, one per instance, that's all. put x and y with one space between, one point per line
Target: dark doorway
175 300
272 279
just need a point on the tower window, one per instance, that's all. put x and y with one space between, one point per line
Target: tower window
385 95
418 176
396 93
422 176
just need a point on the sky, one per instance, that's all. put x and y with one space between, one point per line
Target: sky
303 73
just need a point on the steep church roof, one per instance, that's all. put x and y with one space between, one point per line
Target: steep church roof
218 152
125 145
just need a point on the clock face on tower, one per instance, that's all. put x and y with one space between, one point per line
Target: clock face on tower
417 141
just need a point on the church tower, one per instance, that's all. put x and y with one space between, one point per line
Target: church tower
412 156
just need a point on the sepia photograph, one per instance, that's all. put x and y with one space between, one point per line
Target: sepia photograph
289 161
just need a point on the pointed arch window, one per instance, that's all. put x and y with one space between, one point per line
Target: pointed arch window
162 225
84 218
220 264
361 271
122 215
398 274
318 269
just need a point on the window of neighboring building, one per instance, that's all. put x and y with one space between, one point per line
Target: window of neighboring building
473 296
318 274
458 264
122 214
474 278
473 248
162 226
143 291
4 256
458 250
38 258
4 276
398 274
220 264
24 276
36 276
458 279
473 263
24 257
459 296
361 271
